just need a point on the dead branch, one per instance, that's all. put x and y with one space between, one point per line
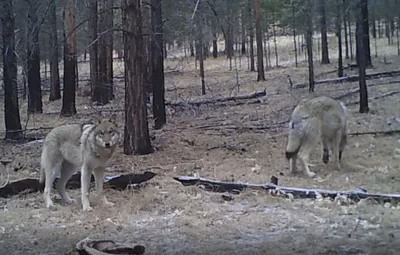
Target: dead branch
218 100
352 78
388 132
391 93
31 185
225 186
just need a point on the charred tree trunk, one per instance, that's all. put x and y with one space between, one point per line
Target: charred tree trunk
243 32
136 131
339 36
294 33
346 42
251 37
11 107
55 92
260 57
33 53
101 90
159 114
324 37
362 58
309 34
93 49
214 35
69 86
350 35
365 30
109 45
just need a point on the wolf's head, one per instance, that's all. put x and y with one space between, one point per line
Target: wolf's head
106 132
295 138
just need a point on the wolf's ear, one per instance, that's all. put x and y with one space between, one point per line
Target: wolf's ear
113 118
96 120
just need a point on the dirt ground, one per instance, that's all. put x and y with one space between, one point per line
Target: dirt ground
168 218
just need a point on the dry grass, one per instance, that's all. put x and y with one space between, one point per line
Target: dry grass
171 219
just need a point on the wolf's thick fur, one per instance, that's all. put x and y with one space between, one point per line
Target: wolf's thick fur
68 147
320 118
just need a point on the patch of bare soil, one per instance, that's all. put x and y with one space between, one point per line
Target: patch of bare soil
228 141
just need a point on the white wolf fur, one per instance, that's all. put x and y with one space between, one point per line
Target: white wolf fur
68 147
318 119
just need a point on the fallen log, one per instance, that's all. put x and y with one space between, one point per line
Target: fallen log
351 78
103 247
31 185
274 189
387 132
388 94
218 100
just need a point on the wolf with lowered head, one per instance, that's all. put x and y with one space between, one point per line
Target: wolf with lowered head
69 147
320 119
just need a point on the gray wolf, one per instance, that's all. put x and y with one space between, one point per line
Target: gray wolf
321 119
69 147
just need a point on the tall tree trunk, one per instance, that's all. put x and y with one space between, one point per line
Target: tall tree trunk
294 33
243 32
229 35
214 35
350 36
260 57
309 34
11 107
55 92
159 114
339 36
69 86
101 90
324 37
362 58
251 36
109 44
191 48
136 131
33 52
275 42
365 30
346 42
93 49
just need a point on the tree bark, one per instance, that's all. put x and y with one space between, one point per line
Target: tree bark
251 37
33 53
309 34
243 32
339 36
136 132
69 86
260 57
160 118
365 34
362 60
324 37
11 107
101 90
55 92
93 49
109 44
346 42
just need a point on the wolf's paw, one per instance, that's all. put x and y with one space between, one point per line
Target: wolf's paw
87 208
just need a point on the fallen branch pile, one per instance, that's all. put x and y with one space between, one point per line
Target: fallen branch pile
31 185
274 189
218 100
351 78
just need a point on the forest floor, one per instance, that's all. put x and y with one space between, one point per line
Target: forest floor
168 218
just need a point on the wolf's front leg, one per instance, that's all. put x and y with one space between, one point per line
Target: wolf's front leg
99 179
304 160
86 174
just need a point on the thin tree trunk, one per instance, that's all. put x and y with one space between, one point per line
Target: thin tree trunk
159 114
251 35
350 36
11 106
275 42
136 132
362 60
243 32
309 34
33 52
69 86
109 44
260 58
324 37
346 41
339 35
294 33
93 49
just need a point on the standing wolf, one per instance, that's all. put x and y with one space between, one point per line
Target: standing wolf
320 118
68 147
